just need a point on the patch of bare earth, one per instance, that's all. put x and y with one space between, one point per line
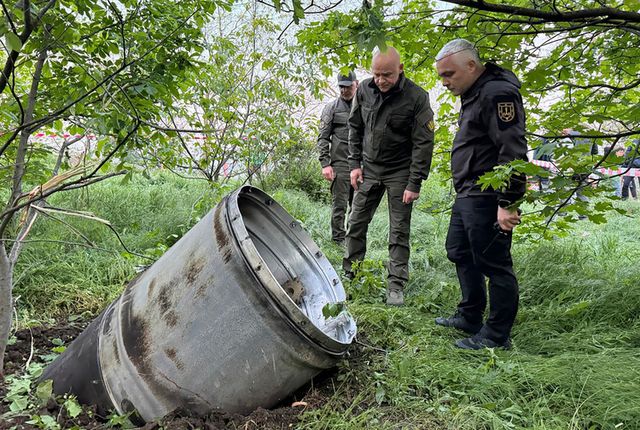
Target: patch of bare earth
32 344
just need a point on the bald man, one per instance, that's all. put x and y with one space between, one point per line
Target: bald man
390 147
491 133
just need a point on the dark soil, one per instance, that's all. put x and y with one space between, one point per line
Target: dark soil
286 416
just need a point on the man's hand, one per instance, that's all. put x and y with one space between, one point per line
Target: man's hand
356 178
328 173
409 197
507 218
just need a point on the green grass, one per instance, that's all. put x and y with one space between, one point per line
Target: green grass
57 277
576 357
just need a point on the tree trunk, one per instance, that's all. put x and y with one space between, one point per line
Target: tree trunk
7 260
6 303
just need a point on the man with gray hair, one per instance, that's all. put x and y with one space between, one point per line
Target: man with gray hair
390 147
491 133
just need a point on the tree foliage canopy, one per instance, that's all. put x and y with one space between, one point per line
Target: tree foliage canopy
247 94
578 62
102 68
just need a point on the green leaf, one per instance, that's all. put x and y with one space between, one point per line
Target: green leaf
332 309
19 404
298 11
13 42
44 390
72 407
597 218
49 423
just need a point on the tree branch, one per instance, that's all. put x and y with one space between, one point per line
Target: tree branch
19 165
6 13
78 183
558 16
26 32
588 87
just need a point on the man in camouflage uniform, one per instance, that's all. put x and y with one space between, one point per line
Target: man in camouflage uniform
333 146
491 133
390 148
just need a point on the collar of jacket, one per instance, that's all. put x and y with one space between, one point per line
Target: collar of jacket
491 72
486 76
341 100
398 87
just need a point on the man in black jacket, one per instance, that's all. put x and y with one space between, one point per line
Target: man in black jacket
491 133
390 147
333 145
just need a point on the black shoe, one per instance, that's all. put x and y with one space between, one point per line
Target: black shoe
479 342
349 275
459 322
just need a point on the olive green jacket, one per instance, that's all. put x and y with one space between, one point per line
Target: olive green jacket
392 135
333 136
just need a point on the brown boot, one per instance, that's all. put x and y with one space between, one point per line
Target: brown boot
395 296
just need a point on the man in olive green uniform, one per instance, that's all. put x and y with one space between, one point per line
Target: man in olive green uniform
333 145
390 147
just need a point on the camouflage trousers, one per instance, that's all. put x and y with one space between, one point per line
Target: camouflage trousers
365 202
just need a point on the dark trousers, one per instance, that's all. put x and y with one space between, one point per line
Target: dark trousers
479 250
341 198
629 184
365 202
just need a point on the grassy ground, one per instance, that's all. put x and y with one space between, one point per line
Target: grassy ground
576 357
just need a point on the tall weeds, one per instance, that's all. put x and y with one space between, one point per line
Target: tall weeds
576 357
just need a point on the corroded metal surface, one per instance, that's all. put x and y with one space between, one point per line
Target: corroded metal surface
230 317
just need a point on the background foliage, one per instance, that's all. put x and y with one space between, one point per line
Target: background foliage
575 359
145 77
577 62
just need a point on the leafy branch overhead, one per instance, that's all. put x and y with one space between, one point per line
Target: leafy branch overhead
95 69
578 63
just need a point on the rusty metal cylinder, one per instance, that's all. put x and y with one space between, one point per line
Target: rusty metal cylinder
230 318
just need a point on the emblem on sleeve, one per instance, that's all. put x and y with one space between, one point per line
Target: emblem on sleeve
431 125
506 111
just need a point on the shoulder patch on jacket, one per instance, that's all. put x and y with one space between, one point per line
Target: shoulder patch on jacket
506 111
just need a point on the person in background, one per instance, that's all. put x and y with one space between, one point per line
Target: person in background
333 145
631 161
543 152
573 139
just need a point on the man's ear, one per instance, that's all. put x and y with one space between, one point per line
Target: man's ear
401 67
